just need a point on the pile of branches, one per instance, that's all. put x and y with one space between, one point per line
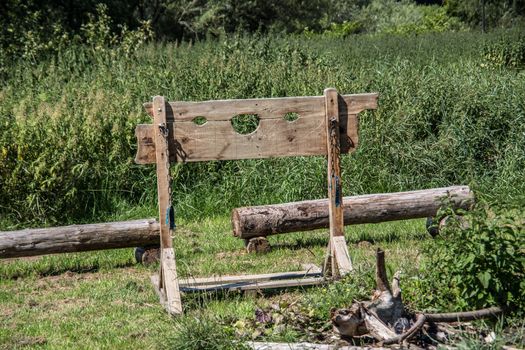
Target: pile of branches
386 320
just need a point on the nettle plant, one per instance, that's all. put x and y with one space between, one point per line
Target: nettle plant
481 256
507 51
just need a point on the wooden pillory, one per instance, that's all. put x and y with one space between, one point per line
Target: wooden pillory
327 125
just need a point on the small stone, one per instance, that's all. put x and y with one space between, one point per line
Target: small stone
441 337
490 337
258 245
151 256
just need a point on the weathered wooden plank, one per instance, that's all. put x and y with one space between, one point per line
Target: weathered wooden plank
266 108
78 238
217 140
217 280
171 283
255 285
335 198
264 220
163 174
274 137
155 280
168 270
341 255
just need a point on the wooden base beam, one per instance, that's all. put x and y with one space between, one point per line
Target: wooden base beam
311 276
255 285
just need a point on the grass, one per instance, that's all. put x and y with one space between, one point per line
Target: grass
104 300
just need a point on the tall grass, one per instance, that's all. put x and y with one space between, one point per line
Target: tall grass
445 117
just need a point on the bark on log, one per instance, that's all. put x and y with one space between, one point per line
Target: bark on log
268 220
77 238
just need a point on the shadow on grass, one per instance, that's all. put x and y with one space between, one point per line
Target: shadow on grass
311 242
27 269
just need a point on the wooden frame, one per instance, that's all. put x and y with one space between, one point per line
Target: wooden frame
327 125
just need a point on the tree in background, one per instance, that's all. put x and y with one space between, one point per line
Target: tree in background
29 28
487 13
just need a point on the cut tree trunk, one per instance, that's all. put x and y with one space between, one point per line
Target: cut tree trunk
265 220
78 238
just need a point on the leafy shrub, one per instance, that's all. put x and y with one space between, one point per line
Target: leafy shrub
98 34
342 30
405 17
507 51
481 263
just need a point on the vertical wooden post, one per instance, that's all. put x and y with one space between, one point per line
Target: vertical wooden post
163 171
168 282
338 251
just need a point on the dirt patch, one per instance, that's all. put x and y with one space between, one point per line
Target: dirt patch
29 341
26 258
70 276
6 312
231 254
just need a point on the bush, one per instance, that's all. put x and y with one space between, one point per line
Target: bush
482 263
405 17
507 51
98 35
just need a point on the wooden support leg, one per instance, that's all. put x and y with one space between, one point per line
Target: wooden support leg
341 263
171 283
328 264
168 286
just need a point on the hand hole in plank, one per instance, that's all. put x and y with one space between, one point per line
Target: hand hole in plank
245 123
291 117
200 120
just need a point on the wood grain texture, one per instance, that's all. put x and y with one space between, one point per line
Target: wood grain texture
163 175
78 238
266 108
159 289
335 198
341 263
341 255
171 283
255 285
216 280
168 270
274 137
264 220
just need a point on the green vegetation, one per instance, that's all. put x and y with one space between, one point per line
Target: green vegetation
507 51
451 111
32 28
103 300
446 116
60 299
479 260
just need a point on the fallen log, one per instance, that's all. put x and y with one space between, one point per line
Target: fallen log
78 238
265 220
